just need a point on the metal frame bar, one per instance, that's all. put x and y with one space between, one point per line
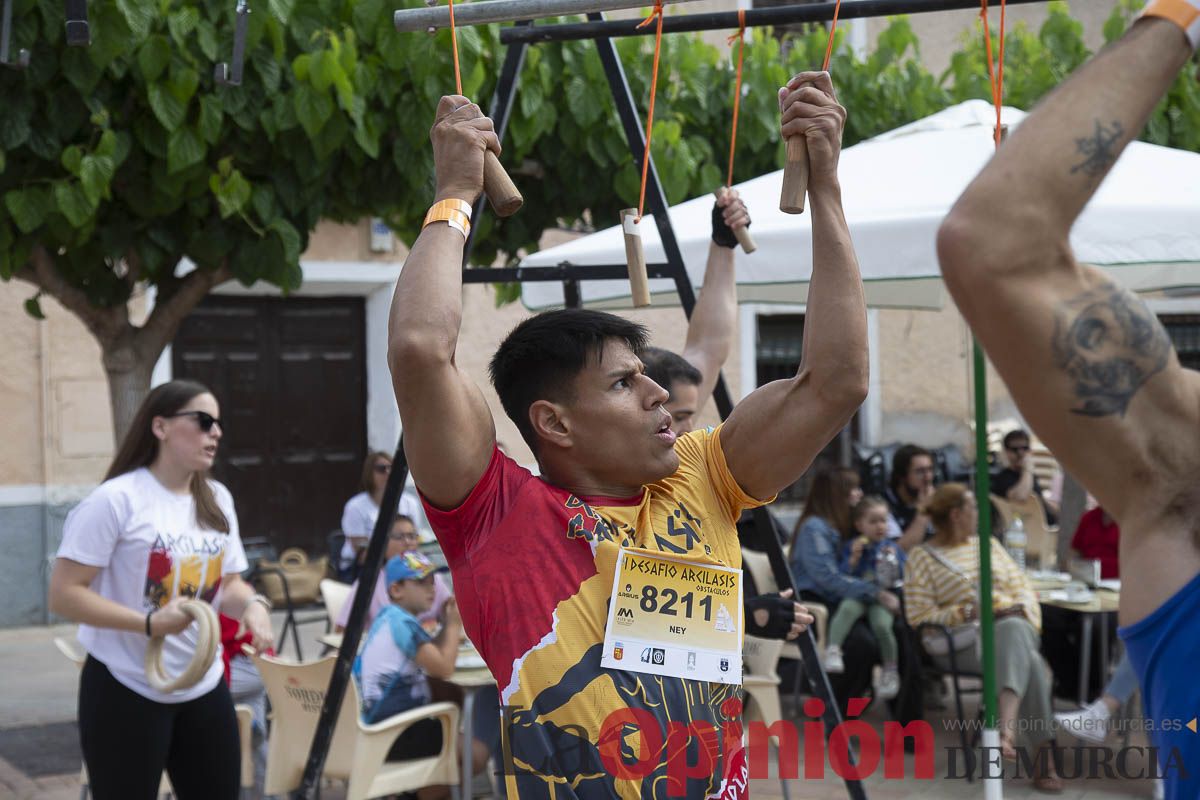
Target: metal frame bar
79 33
226 74
728 20
486 12
340 679
22 59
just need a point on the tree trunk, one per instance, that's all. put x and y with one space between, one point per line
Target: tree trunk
128 372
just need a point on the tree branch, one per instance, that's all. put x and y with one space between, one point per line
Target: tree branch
106 324
133 268
169 311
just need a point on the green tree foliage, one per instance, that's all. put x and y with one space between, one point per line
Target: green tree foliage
121 160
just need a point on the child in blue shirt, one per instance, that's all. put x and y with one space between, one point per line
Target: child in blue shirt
865 557
399 656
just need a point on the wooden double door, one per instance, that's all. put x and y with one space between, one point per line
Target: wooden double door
290 375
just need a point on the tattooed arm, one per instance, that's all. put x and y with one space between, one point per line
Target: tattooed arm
1087 363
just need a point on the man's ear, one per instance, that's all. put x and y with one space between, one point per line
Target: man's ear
549 422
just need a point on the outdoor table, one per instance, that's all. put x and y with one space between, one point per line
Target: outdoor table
1101 603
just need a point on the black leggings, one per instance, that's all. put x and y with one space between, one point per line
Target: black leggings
127 740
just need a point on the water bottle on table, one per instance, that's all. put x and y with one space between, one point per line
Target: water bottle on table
1015 541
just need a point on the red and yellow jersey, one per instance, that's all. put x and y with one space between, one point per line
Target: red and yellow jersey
533 568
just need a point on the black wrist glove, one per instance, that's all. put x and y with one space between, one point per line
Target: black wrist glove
722 234
781 616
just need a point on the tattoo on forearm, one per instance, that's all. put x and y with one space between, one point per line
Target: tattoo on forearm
1110 345
1099 149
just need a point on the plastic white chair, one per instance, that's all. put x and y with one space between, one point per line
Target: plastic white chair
358 751
334 594
759 566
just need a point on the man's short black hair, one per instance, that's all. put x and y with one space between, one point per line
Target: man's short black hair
1013 437
666 368
540 358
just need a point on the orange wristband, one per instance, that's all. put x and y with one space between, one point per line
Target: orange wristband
455 213
1184 13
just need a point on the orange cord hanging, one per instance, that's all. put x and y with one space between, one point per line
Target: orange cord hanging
454 47
656 15
740 36
995 70
832 30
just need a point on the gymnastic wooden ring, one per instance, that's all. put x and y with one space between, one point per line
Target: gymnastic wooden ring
206 650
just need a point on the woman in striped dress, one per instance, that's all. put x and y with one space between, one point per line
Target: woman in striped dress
941 586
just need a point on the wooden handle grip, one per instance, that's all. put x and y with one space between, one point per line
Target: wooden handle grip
745 240
635 258
501 191
795 176
742 234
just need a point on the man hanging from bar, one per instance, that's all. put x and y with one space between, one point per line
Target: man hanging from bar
691 377
1090 367
534 560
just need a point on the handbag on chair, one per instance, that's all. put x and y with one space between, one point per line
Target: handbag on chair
303 577
961 636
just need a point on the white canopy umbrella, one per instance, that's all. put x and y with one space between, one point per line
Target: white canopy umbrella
1143 225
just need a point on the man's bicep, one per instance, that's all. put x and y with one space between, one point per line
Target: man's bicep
774 434
1092 370
449 433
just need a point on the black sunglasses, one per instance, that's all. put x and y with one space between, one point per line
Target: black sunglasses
203 419
1019 448
383 469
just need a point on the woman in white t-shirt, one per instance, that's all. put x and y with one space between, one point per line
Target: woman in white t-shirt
361 511
158 531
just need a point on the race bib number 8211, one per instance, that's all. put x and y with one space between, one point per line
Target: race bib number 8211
675 617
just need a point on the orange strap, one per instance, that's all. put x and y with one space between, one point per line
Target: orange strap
656 14
737 89
454 47
995 70
832 30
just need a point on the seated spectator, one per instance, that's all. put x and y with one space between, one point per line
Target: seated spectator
402 539
910 485
940 587
1098 538
361 511
859 559
1016 480
398 656
816 544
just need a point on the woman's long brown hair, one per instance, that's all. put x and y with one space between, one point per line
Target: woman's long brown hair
139 448
829 499
368 473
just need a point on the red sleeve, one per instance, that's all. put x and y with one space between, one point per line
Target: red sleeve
461 530
1085 531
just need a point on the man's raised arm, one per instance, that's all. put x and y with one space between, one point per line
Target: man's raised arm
1090 367
774 433
710 330
448 429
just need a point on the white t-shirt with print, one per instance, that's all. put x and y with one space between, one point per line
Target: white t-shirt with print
359 515
150 550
